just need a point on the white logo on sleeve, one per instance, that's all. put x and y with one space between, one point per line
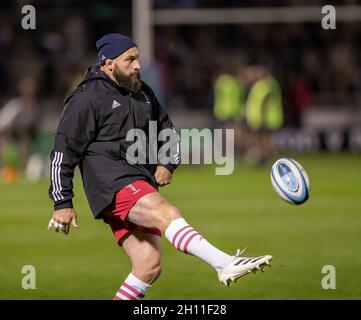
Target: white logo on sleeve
116 104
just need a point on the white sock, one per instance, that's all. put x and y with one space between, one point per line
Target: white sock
183 237
132 289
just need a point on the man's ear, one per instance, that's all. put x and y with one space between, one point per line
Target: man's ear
109 64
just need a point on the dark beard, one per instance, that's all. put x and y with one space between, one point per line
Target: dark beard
132 83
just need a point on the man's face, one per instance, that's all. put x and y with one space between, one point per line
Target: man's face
126 70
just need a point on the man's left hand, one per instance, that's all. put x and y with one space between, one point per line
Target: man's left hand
163 176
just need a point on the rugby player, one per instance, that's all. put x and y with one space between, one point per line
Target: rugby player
92 134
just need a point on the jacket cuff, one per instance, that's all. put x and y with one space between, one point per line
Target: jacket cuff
63 205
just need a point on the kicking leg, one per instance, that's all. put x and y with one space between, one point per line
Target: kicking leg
153 211
144 252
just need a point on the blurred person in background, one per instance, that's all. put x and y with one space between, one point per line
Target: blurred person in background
264 112
229 93
19 120
228 98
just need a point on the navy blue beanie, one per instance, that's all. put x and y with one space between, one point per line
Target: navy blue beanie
113 45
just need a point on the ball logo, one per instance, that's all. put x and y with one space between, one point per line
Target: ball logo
288 177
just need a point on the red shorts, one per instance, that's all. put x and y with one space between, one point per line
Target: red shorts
116 214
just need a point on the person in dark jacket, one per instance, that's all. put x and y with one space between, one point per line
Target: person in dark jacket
96 132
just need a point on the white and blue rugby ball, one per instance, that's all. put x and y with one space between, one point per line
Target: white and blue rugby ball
290 181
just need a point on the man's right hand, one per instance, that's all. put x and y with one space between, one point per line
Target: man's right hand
61 220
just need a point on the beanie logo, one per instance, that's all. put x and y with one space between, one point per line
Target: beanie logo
103 57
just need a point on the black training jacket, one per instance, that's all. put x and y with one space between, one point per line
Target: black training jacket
92 134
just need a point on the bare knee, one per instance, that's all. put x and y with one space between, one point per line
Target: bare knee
167 213
144 251
147 271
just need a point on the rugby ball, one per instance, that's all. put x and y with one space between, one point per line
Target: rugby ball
290 181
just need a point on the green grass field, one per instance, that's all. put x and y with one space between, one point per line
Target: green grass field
230 211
